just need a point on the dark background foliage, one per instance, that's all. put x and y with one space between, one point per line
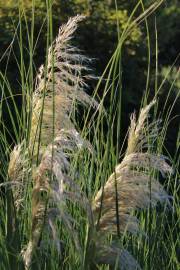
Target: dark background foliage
97 37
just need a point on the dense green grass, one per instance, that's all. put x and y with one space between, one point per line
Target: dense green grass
155 250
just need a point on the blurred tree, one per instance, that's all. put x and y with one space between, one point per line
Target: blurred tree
97 36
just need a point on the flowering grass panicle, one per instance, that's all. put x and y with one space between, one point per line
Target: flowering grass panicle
54 142
54 139
136 188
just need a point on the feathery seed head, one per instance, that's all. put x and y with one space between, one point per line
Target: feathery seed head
61 85
17 172
133 177
136 129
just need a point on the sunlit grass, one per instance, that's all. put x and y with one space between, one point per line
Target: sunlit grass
155 250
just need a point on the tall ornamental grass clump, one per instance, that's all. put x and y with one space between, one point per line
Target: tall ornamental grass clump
71 202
